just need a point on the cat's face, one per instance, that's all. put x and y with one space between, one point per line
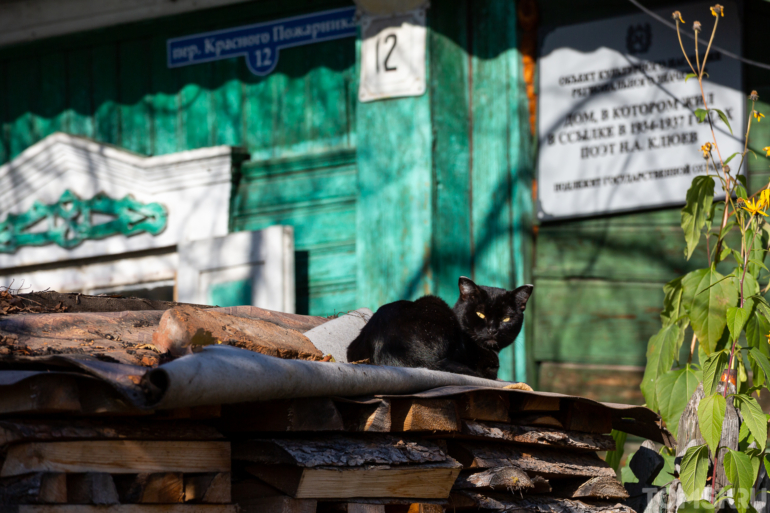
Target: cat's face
491 316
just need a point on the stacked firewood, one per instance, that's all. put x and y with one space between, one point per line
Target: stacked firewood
72 441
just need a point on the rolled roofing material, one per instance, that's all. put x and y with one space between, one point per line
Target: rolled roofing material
224 374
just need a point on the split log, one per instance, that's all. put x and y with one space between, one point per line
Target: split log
432 481
280 504
602 488
132 508
117 457
424 415
208 488
536 504
150 488
510 479
309 414
371 417
296 322
484 405
77 303
542 462
530 435
38 488
184 327
91 488
339 451
28 430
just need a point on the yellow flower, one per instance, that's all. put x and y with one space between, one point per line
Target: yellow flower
677 16
706 149
717 9
758 115
767 149
753 208
764 199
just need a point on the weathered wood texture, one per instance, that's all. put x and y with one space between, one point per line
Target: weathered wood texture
485 405
596 488
430 481
183 328
339 451
208 488
78 303
529 435
131 508
37 488
91 488
510 479
542 462
299 323
539 504
278 504
309 414
117 457
424 415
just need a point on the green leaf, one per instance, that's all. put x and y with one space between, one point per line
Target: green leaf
712 371
672 301
760 366
700 196
736 320
673 391
758 263
662 350
700 506
689 76
754 417
700 114
740 472
708 310
613 457
731 157
723 117
711 415
693 471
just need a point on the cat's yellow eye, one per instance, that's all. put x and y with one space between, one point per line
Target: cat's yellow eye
506 319
480 314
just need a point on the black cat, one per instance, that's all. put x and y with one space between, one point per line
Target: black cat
427 333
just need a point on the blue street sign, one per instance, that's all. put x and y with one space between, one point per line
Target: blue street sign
261 43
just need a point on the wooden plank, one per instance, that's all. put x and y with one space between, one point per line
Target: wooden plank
148 488
604 383
309 414
451 255
417 481
536 504
484 405
27 430
521 403
373 418
531 435
44 394
537 419
132 508
280 504
596 488
339 451
424 415
425 508
586 321
208 488
350 507
588 418
543 462
91 488
510 479
37 488
117 457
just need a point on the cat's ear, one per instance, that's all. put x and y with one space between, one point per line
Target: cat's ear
468 289
521 295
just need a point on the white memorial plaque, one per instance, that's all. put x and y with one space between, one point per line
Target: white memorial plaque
392 56
616 125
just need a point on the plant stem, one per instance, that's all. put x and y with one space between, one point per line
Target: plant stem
682 46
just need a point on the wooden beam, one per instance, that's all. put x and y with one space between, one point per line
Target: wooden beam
424 415
522 403
91 488
532 435
588 418
371 418
543 462
484 405
117 457
131 508
208 488
507 479
309 414
41 394
152 488
432 481
37 488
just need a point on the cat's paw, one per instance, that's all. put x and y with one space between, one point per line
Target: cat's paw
519 386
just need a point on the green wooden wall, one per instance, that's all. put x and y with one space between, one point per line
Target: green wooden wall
598 282
298 123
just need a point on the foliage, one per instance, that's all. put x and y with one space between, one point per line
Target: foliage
727 315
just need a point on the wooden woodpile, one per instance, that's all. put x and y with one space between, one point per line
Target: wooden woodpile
70 442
